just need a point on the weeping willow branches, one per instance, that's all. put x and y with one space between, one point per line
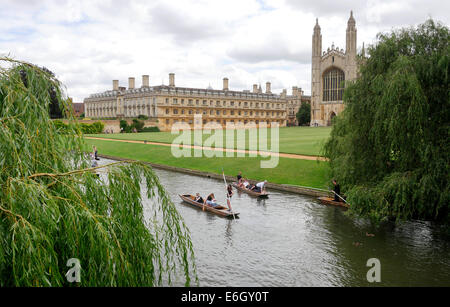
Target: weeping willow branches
121 225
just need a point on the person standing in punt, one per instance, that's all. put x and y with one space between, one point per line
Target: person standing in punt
336 190
229 195
94 149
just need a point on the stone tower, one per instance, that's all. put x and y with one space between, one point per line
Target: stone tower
330 70
350 48
315 73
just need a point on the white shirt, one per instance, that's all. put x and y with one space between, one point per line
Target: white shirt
260 185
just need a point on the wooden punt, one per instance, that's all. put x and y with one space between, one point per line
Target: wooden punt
330 201
222 211
250 192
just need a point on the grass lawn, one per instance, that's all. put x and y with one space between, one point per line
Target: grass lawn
289 171
295 140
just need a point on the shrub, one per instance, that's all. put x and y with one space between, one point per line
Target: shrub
151 129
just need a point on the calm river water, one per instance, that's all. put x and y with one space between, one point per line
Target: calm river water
293 240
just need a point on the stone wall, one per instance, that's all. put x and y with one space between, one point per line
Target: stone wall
114 124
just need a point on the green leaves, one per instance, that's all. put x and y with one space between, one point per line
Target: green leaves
304 114
389 148
121 226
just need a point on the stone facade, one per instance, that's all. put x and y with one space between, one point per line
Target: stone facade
330 70
170 104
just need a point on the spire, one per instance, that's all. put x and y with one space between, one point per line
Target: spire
317 40
317 27
363 51
351 20
351 35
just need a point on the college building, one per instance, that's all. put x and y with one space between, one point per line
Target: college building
330 70
169 104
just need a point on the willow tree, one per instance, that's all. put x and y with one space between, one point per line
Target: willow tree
121 226
390 147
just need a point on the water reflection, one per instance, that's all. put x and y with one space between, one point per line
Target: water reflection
293 240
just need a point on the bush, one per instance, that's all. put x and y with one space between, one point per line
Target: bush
151 129
144 117
61 127
94 128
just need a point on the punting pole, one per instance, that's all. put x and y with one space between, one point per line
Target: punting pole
228 197
339 196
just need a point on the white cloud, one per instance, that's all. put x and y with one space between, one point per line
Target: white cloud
88 43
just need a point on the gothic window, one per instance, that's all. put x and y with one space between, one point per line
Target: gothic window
333 85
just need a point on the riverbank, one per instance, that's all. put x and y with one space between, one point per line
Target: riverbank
315 192
304 173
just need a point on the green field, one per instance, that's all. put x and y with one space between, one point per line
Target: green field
295 140
289 171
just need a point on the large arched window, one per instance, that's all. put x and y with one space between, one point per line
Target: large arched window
333 85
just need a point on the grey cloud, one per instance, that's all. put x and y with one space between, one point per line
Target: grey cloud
326 7
183 28
412 12
269 52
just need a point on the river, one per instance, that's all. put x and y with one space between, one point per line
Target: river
293 240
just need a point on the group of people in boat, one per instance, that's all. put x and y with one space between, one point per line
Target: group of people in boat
260 187
211 199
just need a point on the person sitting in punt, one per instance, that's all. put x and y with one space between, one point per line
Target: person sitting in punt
211 200
198 198
260 187
241 183
246 184
239 177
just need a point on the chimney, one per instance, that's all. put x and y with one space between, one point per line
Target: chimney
225 84
284 93
115 85
171 79
294 91
268 89
130 83
255 88
145 81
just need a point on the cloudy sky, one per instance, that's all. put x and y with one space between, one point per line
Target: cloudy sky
88 43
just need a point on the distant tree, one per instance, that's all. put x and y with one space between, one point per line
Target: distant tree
304 114
138 125
123 125
390 146
54 107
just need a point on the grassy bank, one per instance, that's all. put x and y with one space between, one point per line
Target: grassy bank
296 140
288 171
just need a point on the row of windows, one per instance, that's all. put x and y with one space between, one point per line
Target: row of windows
224 112
219 103
190 121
